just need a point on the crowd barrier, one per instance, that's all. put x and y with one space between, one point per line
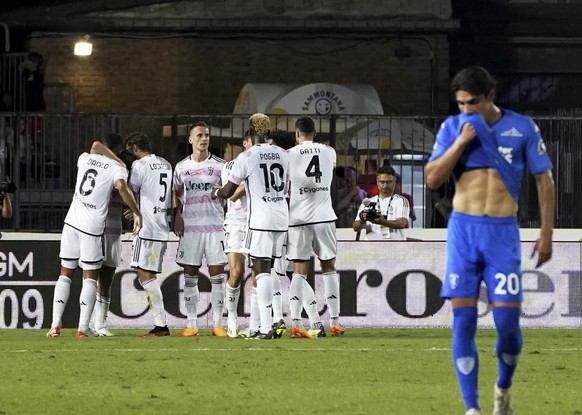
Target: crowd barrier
382 284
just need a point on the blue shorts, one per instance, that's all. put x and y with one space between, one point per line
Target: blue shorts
483 248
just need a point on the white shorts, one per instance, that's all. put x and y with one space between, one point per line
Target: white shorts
147 254
264 244
194 246
80 249
112 248
233 238
320 238
282 265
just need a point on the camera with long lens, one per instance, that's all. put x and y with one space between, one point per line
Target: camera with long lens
371 209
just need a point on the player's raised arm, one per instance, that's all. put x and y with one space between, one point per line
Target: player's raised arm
99 148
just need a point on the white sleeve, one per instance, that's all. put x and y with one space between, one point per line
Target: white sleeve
401 210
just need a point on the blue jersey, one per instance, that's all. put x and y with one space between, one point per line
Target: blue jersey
507 145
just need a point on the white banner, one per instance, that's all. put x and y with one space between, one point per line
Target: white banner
383 284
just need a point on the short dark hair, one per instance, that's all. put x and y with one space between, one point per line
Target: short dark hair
139 139
198 124
386 170
113 141
282 138
305 125
473 79
35 57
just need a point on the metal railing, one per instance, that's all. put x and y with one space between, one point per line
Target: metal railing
41 151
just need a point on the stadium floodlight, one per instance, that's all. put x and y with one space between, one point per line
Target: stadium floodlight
83 47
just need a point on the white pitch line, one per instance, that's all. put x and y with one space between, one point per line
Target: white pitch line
257 349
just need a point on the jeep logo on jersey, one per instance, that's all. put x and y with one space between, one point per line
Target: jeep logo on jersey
198 186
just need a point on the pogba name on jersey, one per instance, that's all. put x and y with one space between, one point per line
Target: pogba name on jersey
270 156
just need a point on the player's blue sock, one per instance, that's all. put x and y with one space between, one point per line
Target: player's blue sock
509 343
465 357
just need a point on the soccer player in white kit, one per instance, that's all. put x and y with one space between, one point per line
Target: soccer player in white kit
265 170
151 181
112 251
199 222
235 224
82 236
312 226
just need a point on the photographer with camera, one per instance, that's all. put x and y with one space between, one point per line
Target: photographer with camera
383 216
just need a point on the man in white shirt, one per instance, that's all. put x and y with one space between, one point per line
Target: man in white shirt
151 180
199 222
82 236
265 170
312 227
391 211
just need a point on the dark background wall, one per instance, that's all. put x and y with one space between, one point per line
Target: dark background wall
204 76
195 56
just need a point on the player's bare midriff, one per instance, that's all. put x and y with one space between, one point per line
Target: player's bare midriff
482 192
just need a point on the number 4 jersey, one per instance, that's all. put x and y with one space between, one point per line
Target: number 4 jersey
96 177
311 176
151 181
265 169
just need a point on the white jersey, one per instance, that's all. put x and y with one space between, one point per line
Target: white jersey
311 175
393 207
113 222
265 169
236 212
96 177
195 180
151 181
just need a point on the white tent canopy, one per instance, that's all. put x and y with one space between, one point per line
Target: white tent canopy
402 134
317 99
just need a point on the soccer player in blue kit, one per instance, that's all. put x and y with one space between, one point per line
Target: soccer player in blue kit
486 149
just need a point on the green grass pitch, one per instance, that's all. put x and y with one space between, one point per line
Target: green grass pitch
366 371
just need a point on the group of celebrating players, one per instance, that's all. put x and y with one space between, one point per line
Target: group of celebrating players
269 207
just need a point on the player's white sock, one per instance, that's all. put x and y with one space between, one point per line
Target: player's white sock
296 296
310 304
255 318
191 297
156 300
264 301
87 302
60 298
332 295
217 298
232 296
100 311
277 297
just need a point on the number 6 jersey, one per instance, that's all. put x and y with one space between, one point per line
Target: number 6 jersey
96 177
311 175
